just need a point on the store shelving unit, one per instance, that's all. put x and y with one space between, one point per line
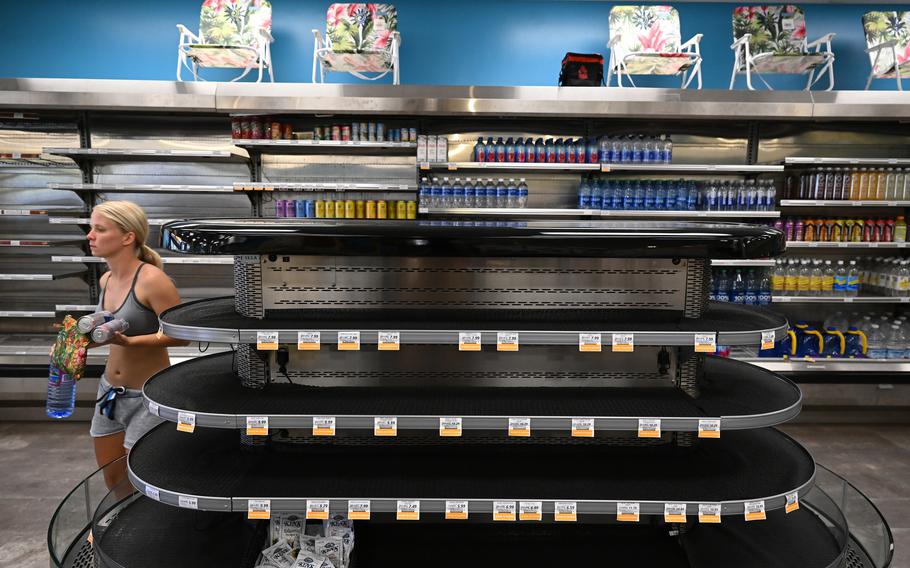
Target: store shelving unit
841 299
598 213
604 168
842 203
82 156
141 188
327 147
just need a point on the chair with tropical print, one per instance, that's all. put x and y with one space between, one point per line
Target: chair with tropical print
772 39
233 34
888 45
360 38
645 40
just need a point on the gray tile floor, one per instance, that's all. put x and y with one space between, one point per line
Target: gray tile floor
40 462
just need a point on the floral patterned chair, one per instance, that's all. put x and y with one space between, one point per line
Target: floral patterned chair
360 38
234 34
772 39
645 40
888 45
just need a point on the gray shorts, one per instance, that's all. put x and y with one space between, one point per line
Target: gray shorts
127 414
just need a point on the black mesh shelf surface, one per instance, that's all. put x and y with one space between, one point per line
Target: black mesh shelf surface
597 239
215 320
146 534
741 466
744 395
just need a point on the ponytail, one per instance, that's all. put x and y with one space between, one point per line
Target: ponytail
147 254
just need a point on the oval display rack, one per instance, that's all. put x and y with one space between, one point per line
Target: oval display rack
740 395
216 321
208 470
557 239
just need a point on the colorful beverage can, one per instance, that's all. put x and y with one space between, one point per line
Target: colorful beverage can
317 133
287 131
412 210
336 132
364 131
371 209
382 210
392 210
275 131
236 128
350 209
281 208
329 209
412 134
361 207
401 211
339 209
245 128
355 131
346 133
256 132
310 209
320 209
300 208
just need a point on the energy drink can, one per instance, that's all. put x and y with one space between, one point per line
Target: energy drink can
392 210
382 210
320 209
339 209
236 128
300 208
380 131
256 129
336 132
395 135
350 209
281 208
310 208
360 209
412 134
412 210
364 131
245 128
371 209
329 209
287 131
346 133
401 211
275 131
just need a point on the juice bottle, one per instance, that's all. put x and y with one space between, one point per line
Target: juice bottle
863 184
854 185
900 230
880 184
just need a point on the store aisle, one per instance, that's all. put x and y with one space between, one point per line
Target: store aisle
41 461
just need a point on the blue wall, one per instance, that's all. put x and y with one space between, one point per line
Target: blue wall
489 42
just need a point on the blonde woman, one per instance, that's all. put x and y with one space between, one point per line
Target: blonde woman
137 290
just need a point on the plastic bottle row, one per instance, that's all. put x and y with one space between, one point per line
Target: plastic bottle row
854 184
855 337
596 192
470 192
844 230
606 149
814 277
885 276
752 288
365 132
332 207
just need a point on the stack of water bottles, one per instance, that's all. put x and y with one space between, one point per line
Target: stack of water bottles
855 336
607 149
815 277
473 193
885 276
752 288
741 195
596 192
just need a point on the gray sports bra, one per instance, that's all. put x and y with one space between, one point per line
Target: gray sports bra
142 320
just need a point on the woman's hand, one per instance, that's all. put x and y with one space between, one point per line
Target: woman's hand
120 339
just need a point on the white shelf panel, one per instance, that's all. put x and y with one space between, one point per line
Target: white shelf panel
769 262
129 154
794 161
140 188
840 300
829 365
842 203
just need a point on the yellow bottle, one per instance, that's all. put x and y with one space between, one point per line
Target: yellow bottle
863 184
350 209
854 185
879 184
791 280
392 210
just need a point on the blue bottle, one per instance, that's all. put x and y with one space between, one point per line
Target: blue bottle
551 151
540 151
752 285
625 156
425 193
638 202
654 153
711 201
661 196
809 342
470 194
764 289
491 150
722 287
520 155
500 150
437 199
739 288
628 195
480 150
854 343
510 150
61 393
310 209
833 344
593 151
584 194
502 194
560 151
457 193
617 195
608 194
669 189
650 195
512 199
596 194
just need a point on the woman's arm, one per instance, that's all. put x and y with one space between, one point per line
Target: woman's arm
158 292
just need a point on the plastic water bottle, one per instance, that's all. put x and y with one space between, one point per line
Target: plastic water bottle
646 149
650 195
617 195
671 193
522 193
597 193
480 150
104 332
751 196
584 194
637 143
512 195
661 195
436 199
628 195
666 153
608 194
502 194
447 194
722 289
638 201
616 150
876 348
457 193
764 289
625 156
739 288
896 343
711 197
490 191
61 394
655 151
751 293
86 324
470 194
852 279
605 149
425 193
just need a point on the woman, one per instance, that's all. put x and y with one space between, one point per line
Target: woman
137 290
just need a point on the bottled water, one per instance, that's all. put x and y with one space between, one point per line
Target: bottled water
840 279
649 195
470 194
447 194
903 279
584 194
828 279
711 197
502 194
512 196
722 287
457 193
751 293
896 343
522 193
742 198
739 288
617 192
805 277
816 279
628 195
764 289
751 196
666 153
691 195
61 394
875 342
425 193
436 199
605 148
105 332
491 193
616 147
596 194
646 150
638 202
661 196
626 153
637 143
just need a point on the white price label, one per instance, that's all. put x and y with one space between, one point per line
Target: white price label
590 343
257 425
389 340
628 512
755 510
259 509
520 427
709 513
317 508
649 427
385 426
309 340
323 425
792 502
186 422
469 341
408 510
565 511
450 426
674 512
503 510
456 510
359 510
349 341
267 340
506 341
187 502
530 511
709 428
582 427
767 340
152 493
623 342
154 409
705 342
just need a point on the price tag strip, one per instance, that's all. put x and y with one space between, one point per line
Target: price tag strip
152 493
709 428
709 513
649 427
582 427
706 343
674 512
565 511
317 509
359 510
590 343
187 502
792 502
257 425
623 342
323 425
389 340
450 427
385 426
456 510
755 510
349 341
259 509
530 511
267 340
407 510
520 427
503 510
628 512
154 409
309 340
506 341
469 341
186 422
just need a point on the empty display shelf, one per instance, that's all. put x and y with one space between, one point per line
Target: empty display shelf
215 320
738 394
140 188
82 155
210 470
328 147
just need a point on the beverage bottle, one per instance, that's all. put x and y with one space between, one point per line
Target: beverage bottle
827 279
490 191
550 148
584 194
903 279
560 151
447 194
646 150
638 202
666 195
500 150
592 151
791 277
777 278
540 151
104 332
596 194
855 343
616 147
512 197
712 292
711 197
739 288
490 150
480 150
896 343
510 150
530 151
522 193
502 194
521 154
816 279
655 150
605 150
436 193
617 194
625 156
875 343
900 229
628 195
804 278
457 193
751 290
837 185
61 393
889 184
900 185
86 324
833 344
649 195
470 194
852 279
637 143
849 178
571 150
742 197
840 279
425 193
751 196
691 195
666 153
722 287
764 289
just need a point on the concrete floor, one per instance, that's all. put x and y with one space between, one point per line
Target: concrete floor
40 462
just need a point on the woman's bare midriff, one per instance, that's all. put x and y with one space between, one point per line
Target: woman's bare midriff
130 367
